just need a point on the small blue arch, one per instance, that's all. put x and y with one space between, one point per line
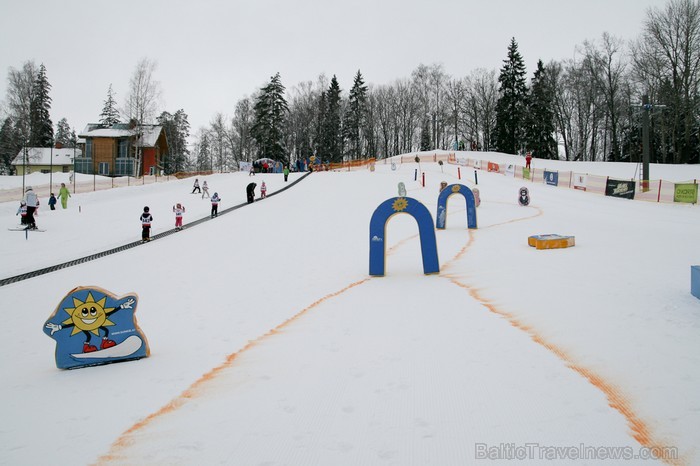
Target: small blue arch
441 219
377 234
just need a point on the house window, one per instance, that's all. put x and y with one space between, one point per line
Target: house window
88 148
104 168
124 166
83 165
124 148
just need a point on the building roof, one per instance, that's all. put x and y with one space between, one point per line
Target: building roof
43 156
149 133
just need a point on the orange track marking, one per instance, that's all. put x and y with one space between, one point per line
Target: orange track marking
192 391
616 399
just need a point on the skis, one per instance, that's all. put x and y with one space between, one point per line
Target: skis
26 229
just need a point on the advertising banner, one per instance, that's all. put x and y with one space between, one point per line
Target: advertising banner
551 178
685 192
510 170
493 167
526 173
477 164
620 188
580 181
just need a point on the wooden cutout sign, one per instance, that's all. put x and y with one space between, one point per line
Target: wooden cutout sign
92 327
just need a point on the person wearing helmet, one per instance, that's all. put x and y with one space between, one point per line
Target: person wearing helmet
215 199
31 200
179 209
146 219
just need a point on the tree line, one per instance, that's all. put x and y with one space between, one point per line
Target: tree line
586 108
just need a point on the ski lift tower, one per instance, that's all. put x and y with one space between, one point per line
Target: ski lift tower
646 109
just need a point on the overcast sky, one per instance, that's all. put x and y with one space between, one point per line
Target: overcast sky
210 54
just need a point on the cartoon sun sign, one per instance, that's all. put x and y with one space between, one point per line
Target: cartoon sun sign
92 326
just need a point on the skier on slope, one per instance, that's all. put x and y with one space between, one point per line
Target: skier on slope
179 209
146 219
250 192
215 199
31 200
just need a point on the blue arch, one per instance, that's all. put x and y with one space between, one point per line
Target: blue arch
451 190
377 234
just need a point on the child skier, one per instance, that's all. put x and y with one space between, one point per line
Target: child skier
179 209
22 212
146 219
263 189
52 202
215 199
205 189
31 201
195 186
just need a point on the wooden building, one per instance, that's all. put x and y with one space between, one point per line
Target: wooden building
122 150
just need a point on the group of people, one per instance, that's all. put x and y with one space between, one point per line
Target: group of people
204 190
29 205
179 209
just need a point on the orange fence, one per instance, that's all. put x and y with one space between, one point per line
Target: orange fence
652 190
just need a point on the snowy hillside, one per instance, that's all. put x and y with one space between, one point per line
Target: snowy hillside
271 344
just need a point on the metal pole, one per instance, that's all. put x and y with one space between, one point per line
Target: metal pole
51 171
24 167
646 108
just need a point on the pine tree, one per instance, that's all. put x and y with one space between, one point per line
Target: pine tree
539 120
270 115
511 105
40 120
110 114
63 133
331 129
355 118
205 160
425 136
177 130
10 145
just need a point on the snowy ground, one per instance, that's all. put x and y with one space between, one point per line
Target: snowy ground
270 344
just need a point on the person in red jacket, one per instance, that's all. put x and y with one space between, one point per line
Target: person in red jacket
528 159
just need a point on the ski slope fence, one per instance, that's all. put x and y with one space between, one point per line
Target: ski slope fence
641 190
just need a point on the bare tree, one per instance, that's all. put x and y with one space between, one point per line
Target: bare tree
219 141
144 93
302 119
20 87
667 60
480 107
456 93
607 67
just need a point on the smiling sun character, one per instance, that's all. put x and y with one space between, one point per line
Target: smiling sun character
89 317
